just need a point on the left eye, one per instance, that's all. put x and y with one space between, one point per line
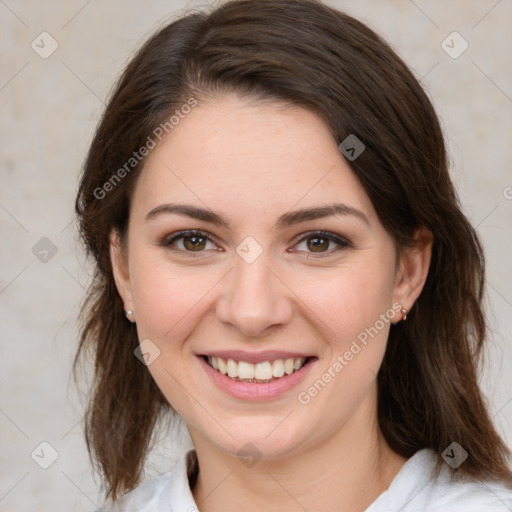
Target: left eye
319 242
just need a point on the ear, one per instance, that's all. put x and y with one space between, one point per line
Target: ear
119 262
413 268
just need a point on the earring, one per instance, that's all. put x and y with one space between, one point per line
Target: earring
404 314
128 312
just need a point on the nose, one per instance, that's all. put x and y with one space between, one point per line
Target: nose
254 299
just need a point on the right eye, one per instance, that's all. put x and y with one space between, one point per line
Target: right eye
191 241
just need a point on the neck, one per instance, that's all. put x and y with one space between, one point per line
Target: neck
346 472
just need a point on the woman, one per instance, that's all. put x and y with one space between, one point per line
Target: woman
282 261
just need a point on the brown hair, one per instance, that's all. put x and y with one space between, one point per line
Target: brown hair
312 56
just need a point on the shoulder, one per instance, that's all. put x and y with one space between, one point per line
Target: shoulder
471 496
417 488
147 497
169 491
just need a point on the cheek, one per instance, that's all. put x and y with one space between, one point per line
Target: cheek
349 299
166 296
168 302
356 315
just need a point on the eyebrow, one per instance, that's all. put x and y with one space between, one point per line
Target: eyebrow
286 220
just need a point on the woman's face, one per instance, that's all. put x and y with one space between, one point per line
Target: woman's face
299 319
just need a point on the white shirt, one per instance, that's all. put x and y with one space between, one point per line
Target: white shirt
412 490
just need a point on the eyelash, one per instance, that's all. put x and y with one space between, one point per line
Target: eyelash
341 242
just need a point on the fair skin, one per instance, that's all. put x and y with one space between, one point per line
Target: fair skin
251 164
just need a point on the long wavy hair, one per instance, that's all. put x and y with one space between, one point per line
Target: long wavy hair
309 55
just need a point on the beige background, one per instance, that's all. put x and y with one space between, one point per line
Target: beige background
49 110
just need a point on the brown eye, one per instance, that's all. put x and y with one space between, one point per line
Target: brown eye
187 242
318 244
322 243
194 243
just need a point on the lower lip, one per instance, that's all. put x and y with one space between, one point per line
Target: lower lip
252 390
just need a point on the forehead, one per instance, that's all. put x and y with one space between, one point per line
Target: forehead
234 155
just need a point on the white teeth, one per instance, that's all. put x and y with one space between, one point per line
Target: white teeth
278 368
246 370
221 364
264 371
297 363
232 368
288 366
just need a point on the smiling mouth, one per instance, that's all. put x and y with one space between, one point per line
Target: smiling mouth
260 373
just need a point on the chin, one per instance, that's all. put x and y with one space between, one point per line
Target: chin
261 438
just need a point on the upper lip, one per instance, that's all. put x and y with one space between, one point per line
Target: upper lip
254 357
